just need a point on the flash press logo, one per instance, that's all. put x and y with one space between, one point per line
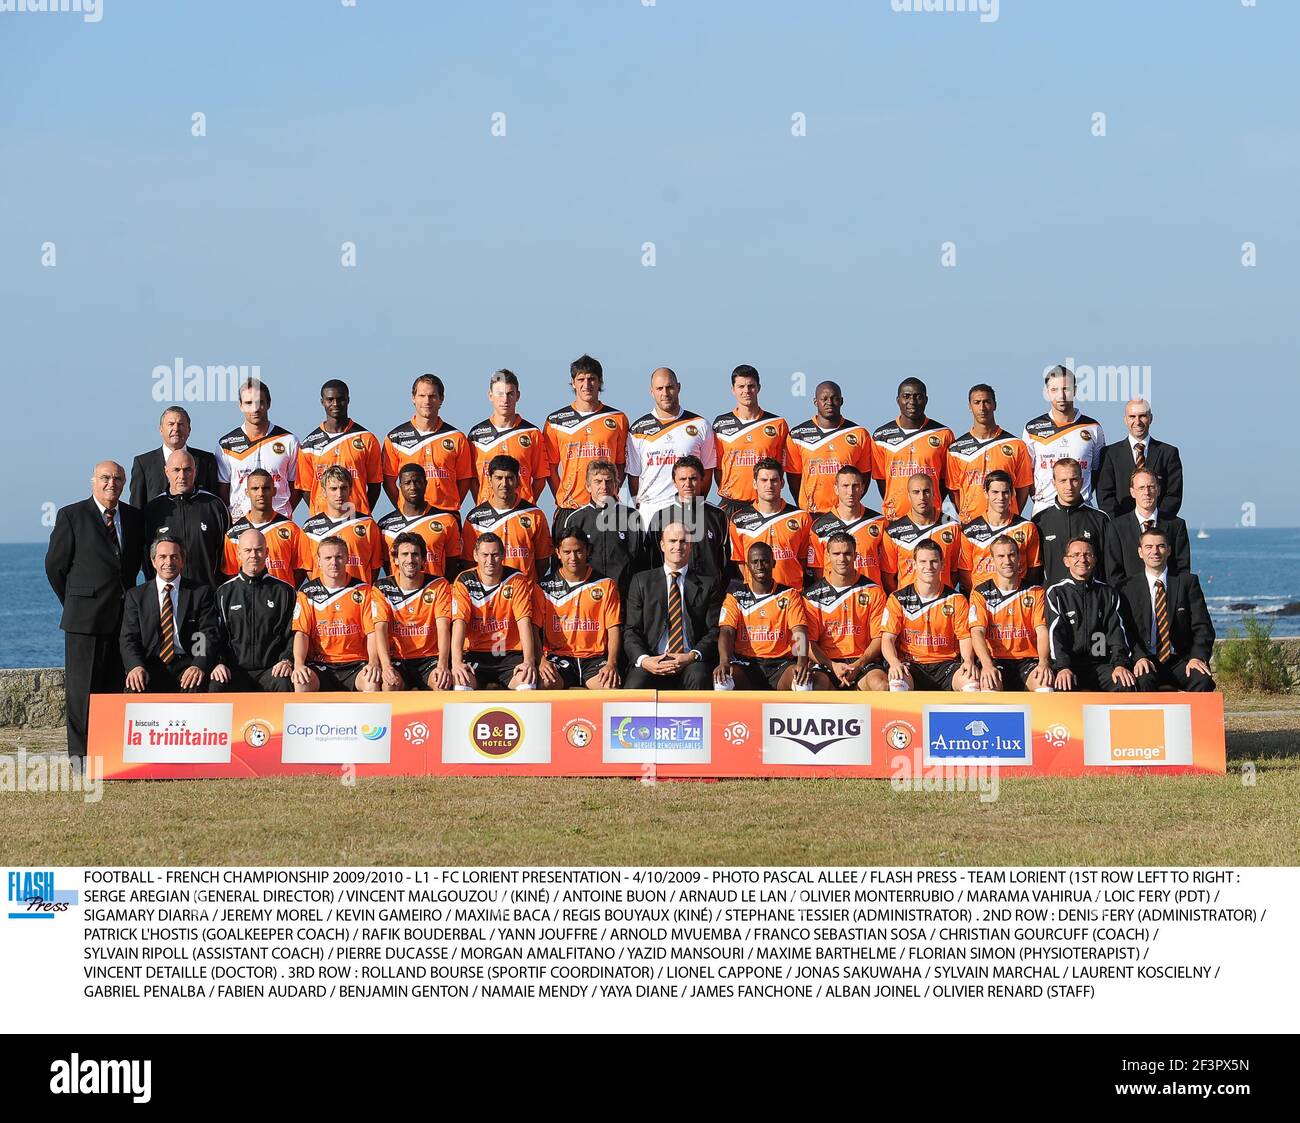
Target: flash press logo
32 895
92 11
102 1078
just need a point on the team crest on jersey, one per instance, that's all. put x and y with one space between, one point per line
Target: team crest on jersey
863 600
873 530
429 596
358 597
769 430
436 528
947 537
692 431
284 533
508 593
1029 602
852 438
1019 536
792 524
449 444
278 448
596 594
947 610
781 603
610 423
358 443
525 440
1007 450
935 442
360 530
526 522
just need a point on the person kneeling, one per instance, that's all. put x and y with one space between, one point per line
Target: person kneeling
926 630
844 612
334 627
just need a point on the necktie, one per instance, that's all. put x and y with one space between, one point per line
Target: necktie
675 631
1139 456
1148 524
1164 645
167 627
112 530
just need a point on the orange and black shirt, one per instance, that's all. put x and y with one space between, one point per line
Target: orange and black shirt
1010 620
903 453
524 441
356 449
742 444
573 440
493 614
843 621
868 531
366 555
786 531
902 536
815 455
971 459
928 631
412 615
336 621
443 453
523 529
439 529
977 539
575 619
764 622
283 547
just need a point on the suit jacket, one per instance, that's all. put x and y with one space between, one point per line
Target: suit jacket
710 542
1117 466
87 575
1122 561
196 626
148 480
1190 627
645 617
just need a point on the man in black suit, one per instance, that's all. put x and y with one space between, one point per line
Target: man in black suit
169 635
670 627
94 557
1139 450
1169 624
706 524
1123 560
149 470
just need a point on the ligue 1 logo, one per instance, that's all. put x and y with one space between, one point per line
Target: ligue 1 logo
496 733
579 732
257 734
1058 736
737 733
416 733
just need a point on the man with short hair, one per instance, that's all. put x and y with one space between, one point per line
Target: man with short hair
504 433
149 469
926 630
845 610
340 521
1066 517
340 441
614 530
743 436
975 557
255 613
580 434
1062 433
283 538
657 441
492 637
1123 556
519 523
1139 449
1087 642
924 522
1168 622
440 530
819 447
196 518
848 516
334 645
911 444
426 439
257 444
1008 625
705 523
169 635
986 447
413 629
578 615
770 519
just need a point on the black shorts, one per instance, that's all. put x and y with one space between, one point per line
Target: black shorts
577 672
338 676
250 680
490 670
415 672
934 676
1016 672
865 670
763 674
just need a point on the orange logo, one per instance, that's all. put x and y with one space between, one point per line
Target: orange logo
1137 735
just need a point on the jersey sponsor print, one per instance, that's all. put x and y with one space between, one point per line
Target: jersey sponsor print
977 538
412 615
928 630
764 622
655 445
575 619
238 455
815 454
493 614
1081 439
903 453
523 529
1010 619
867 530
901 538
283 547
786 531
523 441
971 459
443 453
439 529
356 450
843 620
361 533
739 445
574 439
336 621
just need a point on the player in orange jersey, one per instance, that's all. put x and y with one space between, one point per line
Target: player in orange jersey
340 440
580 617
909 444
772 520
927 644
848 516
1008 625
519 523
334 626
504 433
492 638
924 522
340 520
439 529
440 449
975 560
413 630
844 615
819 447
984 448
283 538
579 434
744 436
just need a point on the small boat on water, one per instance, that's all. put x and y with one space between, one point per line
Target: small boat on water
1202 533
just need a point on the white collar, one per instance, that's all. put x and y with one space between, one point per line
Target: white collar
680 573
1162 576
1154 517
1133 442
176 584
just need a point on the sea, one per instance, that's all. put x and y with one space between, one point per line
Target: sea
1237 566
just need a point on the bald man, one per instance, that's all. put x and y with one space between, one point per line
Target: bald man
658 440
1136 451
255 615
196 517
95 553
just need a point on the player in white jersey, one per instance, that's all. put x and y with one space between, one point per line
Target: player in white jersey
257 444
1062 433
658 439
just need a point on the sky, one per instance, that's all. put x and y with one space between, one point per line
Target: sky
669 123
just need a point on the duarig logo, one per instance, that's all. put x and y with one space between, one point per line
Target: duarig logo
989 734
32 896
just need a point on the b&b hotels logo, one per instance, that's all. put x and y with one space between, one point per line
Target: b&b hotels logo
32 896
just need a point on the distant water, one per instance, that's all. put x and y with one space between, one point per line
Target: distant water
1236 566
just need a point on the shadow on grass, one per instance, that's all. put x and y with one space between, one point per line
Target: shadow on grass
1263 744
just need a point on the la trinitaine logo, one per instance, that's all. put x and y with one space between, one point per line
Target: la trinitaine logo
32 896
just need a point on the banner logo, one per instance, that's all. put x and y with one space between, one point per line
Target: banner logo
655 733
31 895
336 733
1137 735
802 734
177 733
496 733
987 734
475 733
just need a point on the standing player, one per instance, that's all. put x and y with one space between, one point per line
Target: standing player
744 436
334 625
519 524
440 449
257 444
658 440
927 644
1062 433
586 431
579 617
986 447
975 557
909 444
283 538
924 522
848 516
339 522
340 440
492 637
844 615
413 624
613 529
440 530
1008 625
504 433
770 519
819 447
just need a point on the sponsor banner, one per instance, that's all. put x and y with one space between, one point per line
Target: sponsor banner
652 732
170 733
336 733
965 734
823 736
1128 735
496 733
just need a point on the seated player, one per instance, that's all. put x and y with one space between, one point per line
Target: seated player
848 516
334 624
283 538
518 523
1169 623
770 519
1008 625
340 521
975 558
1085 630
763 633
927 644
440 530
492 637
579 615
844 611
924 522
413 631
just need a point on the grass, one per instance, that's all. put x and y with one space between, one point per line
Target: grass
1104 820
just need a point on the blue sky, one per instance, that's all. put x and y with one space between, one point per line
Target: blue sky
668 124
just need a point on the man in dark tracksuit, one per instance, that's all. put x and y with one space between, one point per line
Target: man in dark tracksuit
1085 631
198 518
255 611
618 543
1070 517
